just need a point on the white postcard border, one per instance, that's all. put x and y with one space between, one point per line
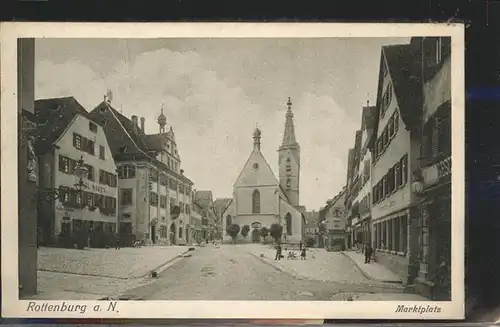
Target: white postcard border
13 307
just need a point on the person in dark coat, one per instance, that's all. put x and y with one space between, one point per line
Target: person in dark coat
303 254
368 253
300 245
117 241
278 252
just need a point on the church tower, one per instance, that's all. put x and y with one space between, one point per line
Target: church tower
289 159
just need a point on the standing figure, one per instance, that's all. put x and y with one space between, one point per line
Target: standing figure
278 252
368 253
300 245
303 254
117 241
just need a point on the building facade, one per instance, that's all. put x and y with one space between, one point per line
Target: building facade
335 222
395 153
361 188
259 198
208 216
154 195
72 135
434 173
27 172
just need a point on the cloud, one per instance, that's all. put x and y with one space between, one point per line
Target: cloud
213 119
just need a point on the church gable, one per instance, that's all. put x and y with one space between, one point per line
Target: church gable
256 172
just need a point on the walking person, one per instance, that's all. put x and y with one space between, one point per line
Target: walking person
300 245
117 241
303 254
368 253
278 252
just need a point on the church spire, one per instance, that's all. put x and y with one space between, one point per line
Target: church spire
289 135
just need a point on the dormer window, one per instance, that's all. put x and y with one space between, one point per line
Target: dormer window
92 127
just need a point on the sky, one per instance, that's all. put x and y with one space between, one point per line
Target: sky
216 91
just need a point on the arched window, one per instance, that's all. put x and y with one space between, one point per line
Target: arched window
256 202
229 221
288 221
180 232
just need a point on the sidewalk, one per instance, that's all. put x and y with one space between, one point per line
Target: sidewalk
374 271
320 265
125 263
92 274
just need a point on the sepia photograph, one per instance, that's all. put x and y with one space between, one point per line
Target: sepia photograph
310 171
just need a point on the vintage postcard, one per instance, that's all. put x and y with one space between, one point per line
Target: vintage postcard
264 171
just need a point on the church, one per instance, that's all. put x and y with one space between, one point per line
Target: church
260 199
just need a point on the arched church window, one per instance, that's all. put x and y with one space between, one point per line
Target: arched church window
288 222
229 221
256 201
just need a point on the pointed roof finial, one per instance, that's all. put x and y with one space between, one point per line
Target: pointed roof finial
162 108
289 103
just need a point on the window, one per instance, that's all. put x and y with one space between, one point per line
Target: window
126 196
90 174
163 201
397 174
64 164
180 232
404 169
89 199
163 180
256 201
255 165
181 206
391 127
101 153
126 172
288 222
396 121
65 191
77 141
288 183
153 199
106 178
391 185
92 127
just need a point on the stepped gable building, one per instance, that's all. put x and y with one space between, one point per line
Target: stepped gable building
259 198
67 133
155 196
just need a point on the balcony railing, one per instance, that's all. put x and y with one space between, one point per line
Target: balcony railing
434 173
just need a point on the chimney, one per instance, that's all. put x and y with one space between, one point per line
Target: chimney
142 125
135 123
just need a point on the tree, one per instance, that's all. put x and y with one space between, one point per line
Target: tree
245 230
276 232
309 242
233 231
264 232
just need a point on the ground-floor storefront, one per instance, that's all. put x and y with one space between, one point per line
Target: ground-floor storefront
394 240
434 277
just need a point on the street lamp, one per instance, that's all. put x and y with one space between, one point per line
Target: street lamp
52 194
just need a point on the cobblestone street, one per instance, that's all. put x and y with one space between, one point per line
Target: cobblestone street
234 273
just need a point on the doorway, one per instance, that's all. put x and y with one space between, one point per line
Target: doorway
173 236
153 233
